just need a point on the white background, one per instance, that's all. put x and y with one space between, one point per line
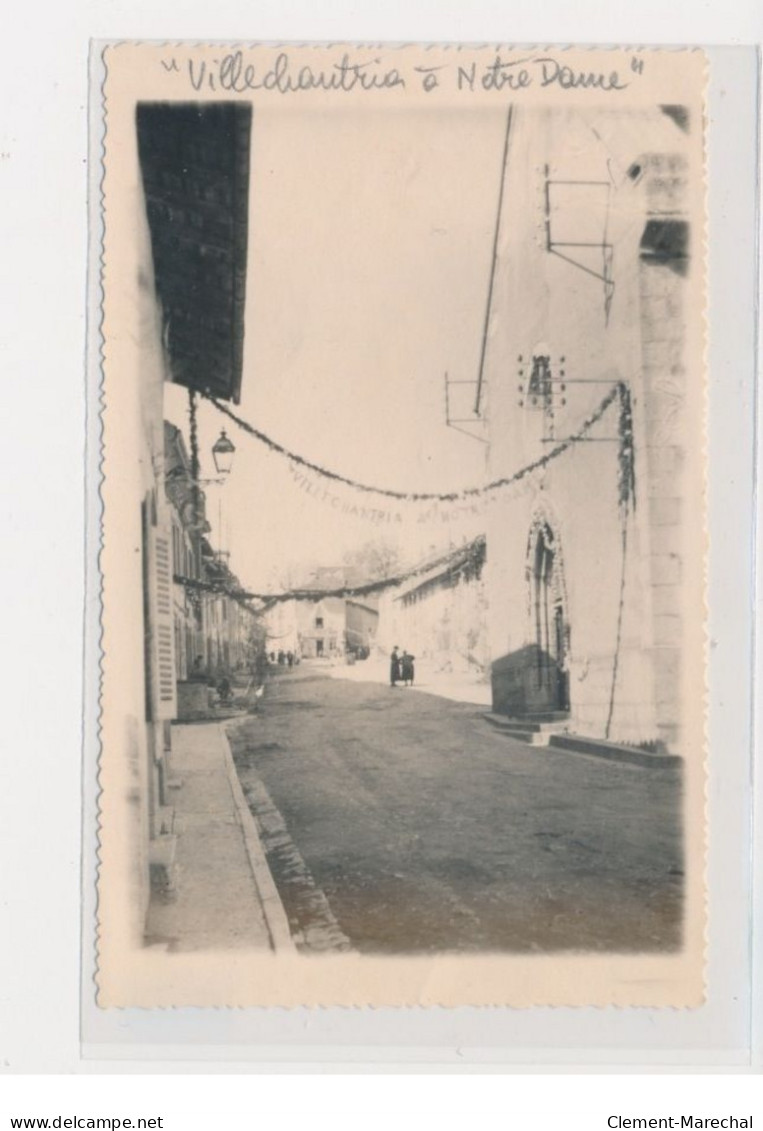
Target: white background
43 189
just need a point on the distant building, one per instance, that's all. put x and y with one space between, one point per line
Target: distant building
322 628
440 613
361 624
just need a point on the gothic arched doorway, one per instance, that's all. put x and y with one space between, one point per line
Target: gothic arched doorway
551 629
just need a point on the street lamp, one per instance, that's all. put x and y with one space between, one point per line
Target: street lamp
222 453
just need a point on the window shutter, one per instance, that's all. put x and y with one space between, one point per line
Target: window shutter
162 651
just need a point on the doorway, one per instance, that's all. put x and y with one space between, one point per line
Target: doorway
551 628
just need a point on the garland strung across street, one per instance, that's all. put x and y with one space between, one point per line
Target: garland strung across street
626 490
617 392
626 456
472 555
626 487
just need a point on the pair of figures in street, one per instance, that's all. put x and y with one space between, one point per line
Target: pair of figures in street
401 669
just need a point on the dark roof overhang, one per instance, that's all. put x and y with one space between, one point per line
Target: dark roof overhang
194 160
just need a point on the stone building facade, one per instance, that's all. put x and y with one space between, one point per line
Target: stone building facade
322 628
328 627
585 360
187 526
162 226
440 613
361 624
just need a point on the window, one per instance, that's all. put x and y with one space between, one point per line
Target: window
319 622
666 242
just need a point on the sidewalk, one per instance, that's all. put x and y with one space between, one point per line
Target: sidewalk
225 897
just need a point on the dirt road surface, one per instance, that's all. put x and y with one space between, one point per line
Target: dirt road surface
397 821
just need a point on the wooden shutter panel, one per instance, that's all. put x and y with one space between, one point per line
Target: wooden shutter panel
163 669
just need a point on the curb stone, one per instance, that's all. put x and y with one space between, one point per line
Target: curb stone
614 752
272 907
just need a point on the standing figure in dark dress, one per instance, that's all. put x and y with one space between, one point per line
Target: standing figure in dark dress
406 668
394 667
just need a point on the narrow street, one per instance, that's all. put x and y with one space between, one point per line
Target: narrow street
397 821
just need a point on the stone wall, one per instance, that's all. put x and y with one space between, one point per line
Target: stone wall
662 272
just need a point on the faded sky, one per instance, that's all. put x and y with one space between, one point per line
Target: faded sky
370 244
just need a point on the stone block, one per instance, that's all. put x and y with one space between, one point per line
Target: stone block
656 281
523 683
669 405
665 569
667 540
665 193
670 735
614 751
666 599
666 662
667 629
659 310
654 351
661 484
662 353
674 305
653 310
666 460
192 700
668 692
664 511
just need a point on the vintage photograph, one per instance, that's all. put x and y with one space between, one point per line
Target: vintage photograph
402 556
